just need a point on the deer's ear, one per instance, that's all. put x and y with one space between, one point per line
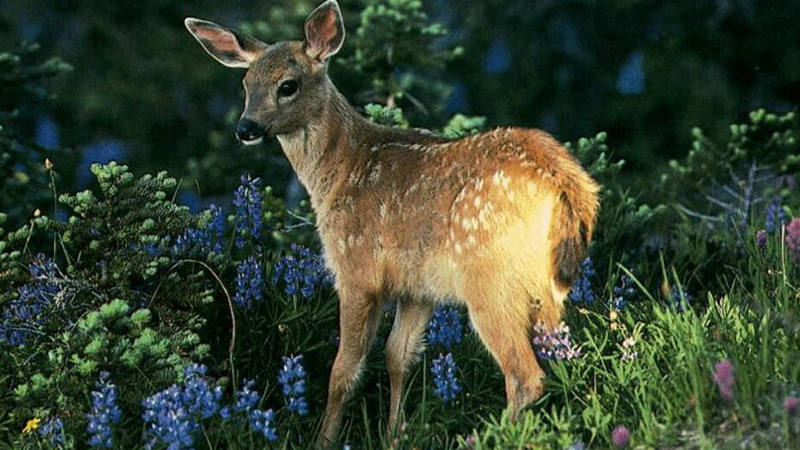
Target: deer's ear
324 31
230 48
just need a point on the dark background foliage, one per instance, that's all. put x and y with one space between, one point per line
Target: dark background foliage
143 92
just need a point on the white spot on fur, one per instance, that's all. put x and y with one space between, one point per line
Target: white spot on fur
375 174
382 210
342 245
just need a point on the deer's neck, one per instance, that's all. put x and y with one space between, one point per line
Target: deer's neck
326 149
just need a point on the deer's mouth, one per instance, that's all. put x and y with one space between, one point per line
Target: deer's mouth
255 141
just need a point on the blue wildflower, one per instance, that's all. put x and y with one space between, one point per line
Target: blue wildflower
104 414
171 416
302 272
167 421
261 422
248 282
582 288
444 370
292 377
578 445
204 240
681 301
776 216
151 248
247 398
624 292
26 313
445 327
247 200
198 396
53 432
216 227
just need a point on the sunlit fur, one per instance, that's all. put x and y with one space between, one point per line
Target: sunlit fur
497 221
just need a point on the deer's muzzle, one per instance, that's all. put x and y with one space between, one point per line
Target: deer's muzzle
249 131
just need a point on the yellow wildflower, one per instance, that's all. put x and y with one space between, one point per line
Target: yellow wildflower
31 425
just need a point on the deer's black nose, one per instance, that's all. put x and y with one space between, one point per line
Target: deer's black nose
249 130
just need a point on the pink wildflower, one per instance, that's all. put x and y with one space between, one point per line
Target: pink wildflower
724 378
790 404
793 238
621 436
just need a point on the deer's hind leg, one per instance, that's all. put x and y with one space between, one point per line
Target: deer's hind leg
503 317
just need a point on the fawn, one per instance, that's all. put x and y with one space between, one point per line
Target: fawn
498 221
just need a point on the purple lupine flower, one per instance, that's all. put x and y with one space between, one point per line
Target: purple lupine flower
445 327
53 432
793 238
624 292
27 312
246 398
167 422
621 436
261 422
724 378
216 228
761 240
247 200
248 282
555 344
776 216
172 415
444 370
791 404
205 240
581 292
302 272
104 414
292 377
198 396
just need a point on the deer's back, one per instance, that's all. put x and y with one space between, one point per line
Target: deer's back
414 201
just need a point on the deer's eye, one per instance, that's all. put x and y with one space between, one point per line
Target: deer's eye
287 88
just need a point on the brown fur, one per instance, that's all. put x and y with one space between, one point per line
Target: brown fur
498 222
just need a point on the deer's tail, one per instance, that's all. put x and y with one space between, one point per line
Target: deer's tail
573 223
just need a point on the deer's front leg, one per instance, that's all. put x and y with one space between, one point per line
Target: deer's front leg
358 320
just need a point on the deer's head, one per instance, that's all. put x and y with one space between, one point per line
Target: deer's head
286 83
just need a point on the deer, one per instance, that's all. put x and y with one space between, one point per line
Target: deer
498 221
